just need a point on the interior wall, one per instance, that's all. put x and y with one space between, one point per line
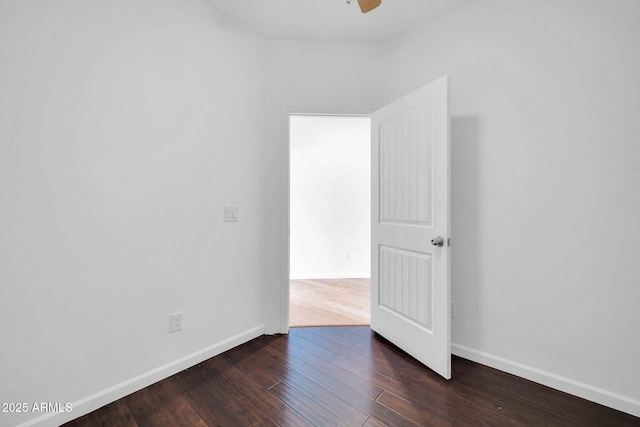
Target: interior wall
545 185
330 207
126 126
307 77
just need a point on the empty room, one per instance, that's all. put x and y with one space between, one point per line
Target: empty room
146 218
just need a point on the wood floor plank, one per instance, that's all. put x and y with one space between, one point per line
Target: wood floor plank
435 397
372 422
264 378
203 380
489 378
116 414
362 331
307 349
326 302
333 404
355 334
272 407
249 348
565 408
384 365
261 367
415 413
245 413
91 420
310 410
352 395
270 360
330 370
329 336
383 382
504 402
379 349
493 390
162 403
217 402
477 404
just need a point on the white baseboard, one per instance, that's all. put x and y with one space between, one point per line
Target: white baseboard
567 385
118 391
366 275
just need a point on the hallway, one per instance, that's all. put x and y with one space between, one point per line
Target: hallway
329 302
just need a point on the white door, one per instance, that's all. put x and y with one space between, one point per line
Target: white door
410 285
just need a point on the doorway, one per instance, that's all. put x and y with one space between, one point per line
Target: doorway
329 214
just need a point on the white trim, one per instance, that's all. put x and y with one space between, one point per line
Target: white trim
322 276
286 241
118 391
567 385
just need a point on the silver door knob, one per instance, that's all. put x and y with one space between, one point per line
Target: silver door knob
437 241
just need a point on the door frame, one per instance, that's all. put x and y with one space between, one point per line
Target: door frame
286 196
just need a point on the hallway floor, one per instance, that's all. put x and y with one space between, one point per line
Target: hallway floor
329 302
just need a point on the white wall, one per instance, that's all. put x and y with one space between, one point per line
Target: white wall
125 127
330 175
307 77
545 185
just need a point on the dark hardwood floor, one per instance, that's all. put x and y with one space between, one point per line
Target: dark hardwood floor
338 376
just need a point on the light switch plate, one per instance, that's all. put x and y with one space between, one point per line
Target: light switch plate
231 214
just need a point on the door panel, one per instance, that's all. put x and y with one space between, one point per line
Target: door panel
405 190
410 288
405 285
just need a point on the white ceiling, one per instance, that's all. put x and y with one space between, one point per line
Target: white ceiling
333 20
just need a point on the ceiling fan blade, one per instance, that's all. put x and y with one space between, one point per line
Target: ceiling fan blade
368 5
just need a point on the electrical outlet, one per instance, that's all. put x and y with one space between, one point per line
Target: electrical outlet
453 309
176 322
